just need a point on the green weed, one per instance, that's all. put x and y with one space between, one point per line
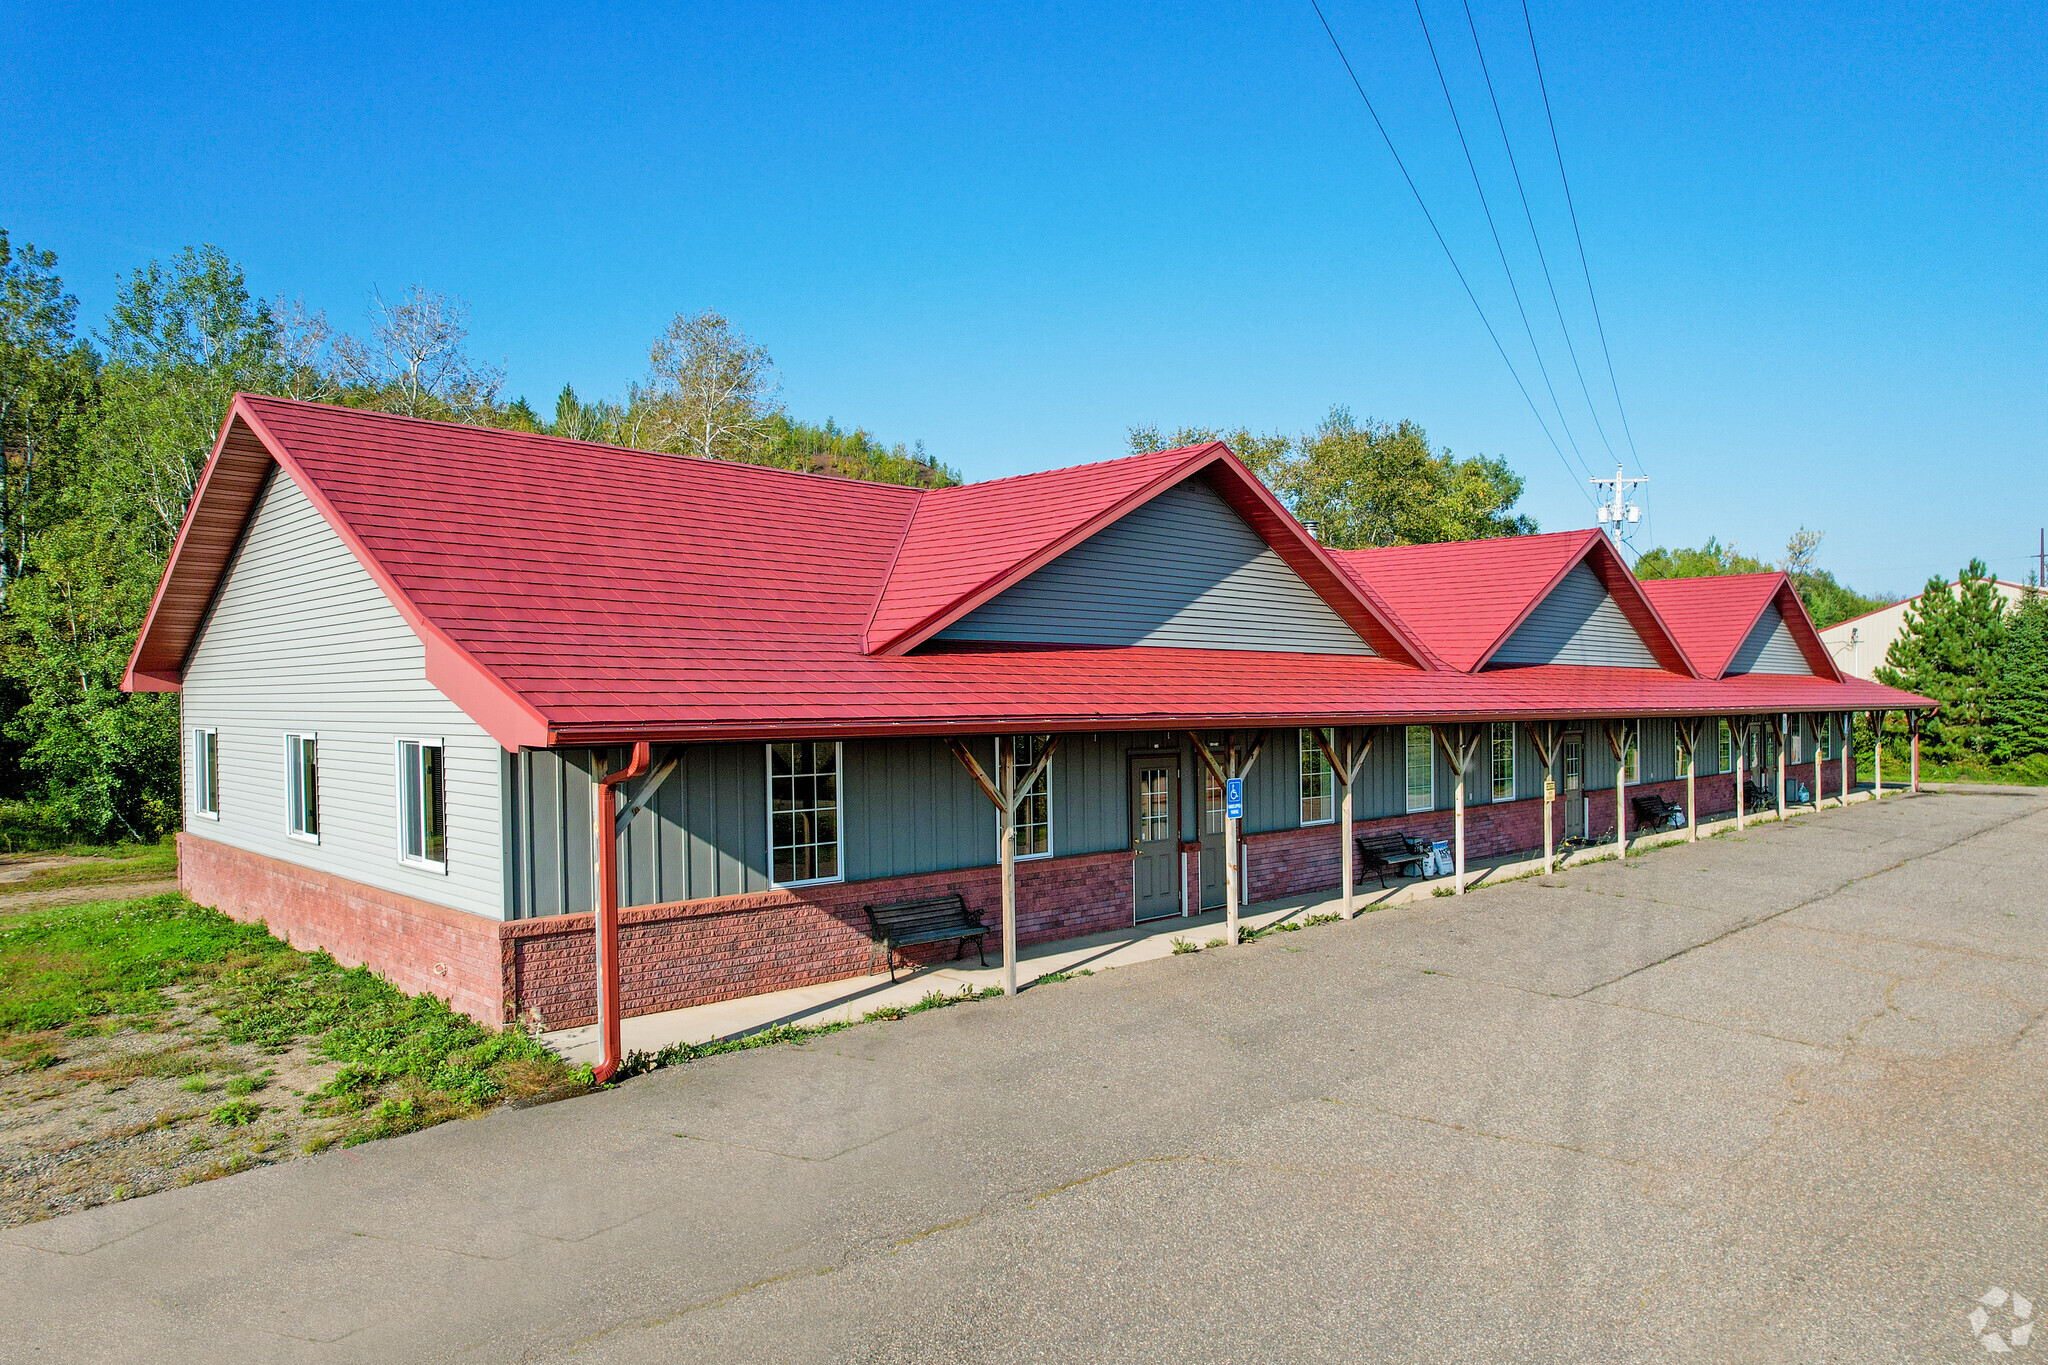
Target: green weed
236 1113
1181 945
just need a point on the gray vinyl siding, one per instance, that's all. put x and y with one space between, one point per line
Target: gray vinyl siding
1578 623
1181 571
1770 648
302 640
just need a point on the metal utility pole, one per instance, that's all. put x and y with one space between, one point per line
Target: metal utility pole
1619 510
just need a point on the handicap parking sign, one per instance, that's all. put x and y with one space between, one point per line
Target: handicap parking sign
1233 798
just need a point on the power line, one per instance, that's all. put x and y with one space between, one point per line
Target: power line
1530 218
1450 256
1506 269
1557 148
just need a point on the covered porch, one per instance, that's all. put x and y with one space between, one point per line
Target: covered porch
849 999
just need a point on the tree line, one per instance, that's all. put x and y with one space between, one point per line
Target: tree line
1986 661
103 435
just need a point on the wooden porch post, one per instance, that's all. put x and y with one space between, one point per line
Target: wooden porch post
1778 731
1346 772
1738 744
1006 853
1877 755
1006 792
1461 758
1617 742
1689 736
1913 728
1819 771
1546 749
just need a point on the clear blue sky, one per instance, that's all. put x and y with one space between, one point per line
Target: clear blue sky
1817 231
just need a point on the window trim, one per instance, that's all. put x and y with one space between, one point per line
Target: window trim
1407 766
291 775
405 859
1726 735
210 788
1051 846
1633 747
1493 760
838 811
1306 745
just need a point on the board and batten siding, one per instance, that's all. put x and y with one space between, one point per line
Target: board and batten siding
1182 571
1770 648
1578 623
906 806
302 640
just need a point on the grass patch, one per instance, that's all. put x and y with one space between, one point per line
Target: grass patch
1051 978
1181 945
110 863
406 1061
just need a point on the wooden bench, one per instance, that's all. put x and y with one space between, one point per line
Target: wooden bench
1384 853
1654 812
939 919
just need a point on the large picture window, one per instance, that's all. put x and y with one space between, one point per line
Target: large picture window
302 786
1034 811
1503 760
423 803
1421 769
803 812
1318 783
206 773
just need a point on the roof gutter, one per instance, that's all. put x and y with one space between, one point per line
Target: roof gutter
604 854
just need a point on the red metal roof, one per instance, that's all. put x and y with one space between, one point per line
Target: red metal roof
1466 597
571 593
1712 616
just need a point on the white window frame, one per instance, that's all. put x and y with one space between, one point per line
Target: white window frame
1493 743
1727 754
1213 819
293 798
1305 738
1408 734
1795 736
1826 740
838 812
1679 757
1632 756
206 772
406 859
1044 779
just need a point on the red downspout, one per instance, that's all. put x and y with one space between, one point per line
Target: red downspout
604 848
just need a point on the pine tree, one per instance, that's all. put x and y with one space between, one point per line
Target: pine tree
2019 703
1949 651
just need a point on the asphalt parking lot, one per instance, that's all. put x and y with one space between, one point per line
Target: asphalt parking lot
1776 1096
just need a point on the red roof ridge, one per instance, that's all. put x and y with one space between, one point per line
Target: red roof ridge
573 443
1183 451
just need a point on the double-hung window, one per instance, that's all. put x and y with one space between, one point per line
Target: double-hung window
804 843
302 787
1212 802
1034 808
1727 747
1421 769
1318 782
1827 737
206 773
1503 760
423 804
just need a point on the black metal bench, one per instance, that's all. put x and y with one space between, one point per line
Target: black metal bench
1756 797
1654 812
1384 853
939 919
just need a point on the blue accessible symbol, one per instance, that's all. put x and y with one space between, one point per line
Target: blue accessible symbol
1233 798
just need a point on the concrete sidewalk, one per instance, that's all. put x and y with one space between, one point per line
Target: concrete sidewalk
1771 1097
850 999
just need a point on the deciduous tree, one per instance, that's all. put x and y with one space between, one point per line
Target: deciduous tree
709 390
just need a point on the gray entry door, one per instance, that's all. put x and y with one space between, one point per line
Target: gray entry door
1572 758
1155 834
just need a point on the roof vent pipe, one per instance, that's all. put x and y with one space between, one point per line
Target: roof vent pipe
1314 529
